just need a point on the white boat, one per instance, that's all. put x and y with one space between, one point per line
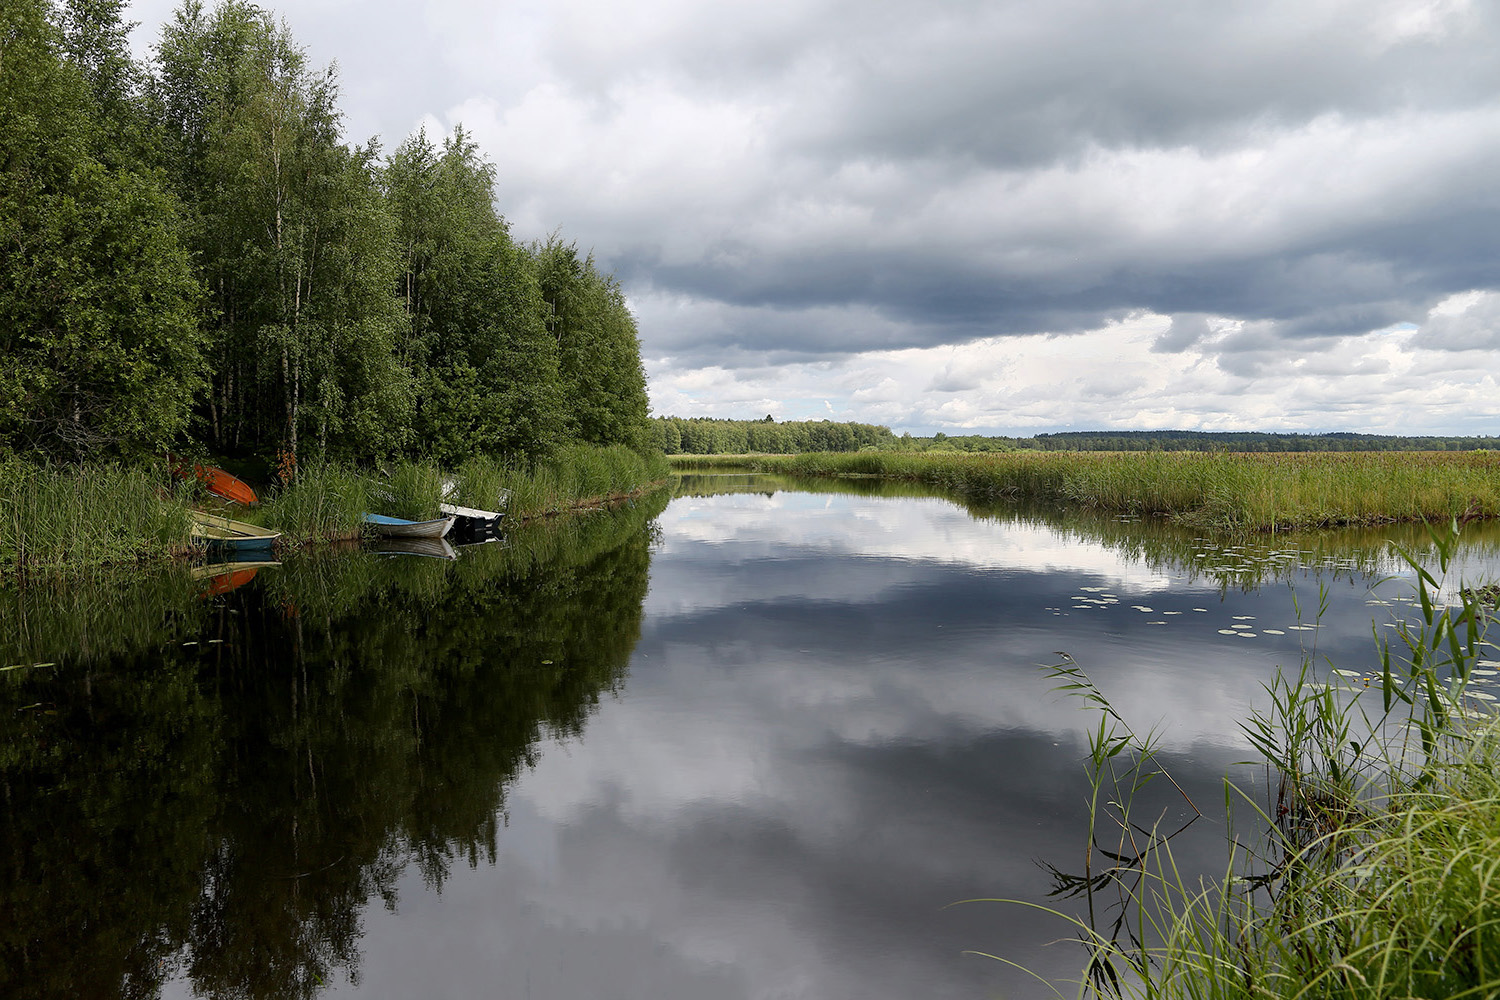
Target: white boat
479 517
400 527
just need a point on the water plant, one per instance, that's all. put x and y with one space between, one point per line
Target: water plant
579 475
1373 869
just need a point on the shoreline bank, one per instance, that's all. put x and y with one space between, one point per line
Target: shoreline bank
74 518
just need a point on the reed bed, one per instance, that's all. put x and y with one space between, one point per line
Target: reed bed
579 476
1240 491
52 517
327 501
73 517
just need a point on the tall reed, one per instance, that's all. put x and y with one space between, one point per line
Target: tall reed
326 501
412 490
580 475
56 516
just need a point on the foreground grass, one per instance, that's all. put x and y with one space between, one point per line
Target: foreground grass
1377 873
67 517
1242 491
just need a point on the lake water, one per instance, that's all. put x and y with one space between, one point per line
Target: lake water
752 739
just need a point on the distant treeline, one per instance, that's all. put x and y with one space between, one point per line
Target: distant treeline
1251 441
190 255
706 436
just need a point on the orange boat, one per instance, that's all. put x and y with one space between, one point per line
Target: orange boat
216 481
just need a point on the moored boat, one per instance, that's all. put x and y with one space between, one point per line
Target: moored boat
400 527
216 481
471 519
222 532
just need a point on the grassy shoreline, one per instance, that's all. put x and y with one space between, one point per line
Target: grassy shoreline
1271 491
59 518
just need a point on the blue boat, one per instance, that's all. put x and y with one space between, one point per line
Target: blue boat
399 527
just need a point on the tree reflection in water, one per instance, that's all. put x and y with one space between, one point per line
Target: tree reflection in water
215 785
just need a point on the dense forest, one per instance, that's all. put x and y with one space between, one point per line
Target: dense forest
704 436
710 436
190 255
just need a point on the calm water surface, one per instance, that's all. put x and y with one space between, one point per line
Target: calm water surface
751 741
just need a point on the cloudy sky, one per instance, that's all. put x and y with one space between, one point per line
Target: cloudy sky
991 216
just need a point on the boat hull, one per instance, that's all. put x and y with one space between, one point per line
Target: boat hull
397 527
217 481
223 533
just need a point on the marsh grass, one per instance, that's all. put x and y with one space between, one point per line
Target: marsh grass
57 516
480 482
1244 491
580 475
326 501
1376 869
412 490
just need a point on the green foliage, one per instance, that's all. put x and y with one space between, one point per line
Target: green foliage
1248 441
708 436
480 483
579 475
599 355
293 238
99 347
327 500
192 250
411 490
485 367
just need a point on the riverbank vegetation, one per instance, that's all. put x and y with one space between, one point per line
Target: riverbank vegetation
1257 492
1377 834
191 255
55 517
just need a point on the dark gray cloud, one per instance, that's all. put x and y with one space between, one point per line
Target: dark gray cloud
817 180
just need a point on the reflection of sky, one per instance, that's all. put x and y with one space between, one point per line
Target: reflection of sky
834 726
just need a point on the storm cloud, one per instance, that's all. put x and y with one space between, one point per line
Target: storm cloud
896 210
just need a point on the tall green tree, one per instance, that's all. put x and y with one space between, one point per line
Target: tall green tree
599 351
292 235
99 349
477 344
